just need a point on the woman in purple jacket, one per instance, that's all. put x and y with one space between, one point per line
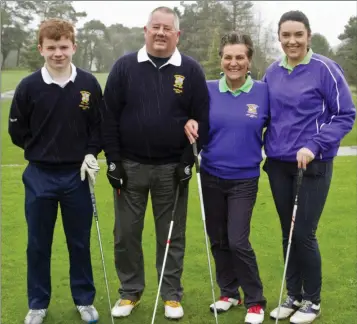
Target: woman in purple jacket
311 111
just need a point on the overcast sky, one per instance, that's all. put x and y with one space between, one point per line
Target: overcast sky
326 17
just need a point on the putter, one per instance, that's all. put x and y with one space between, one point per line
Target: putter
95 213
299 181
194 146
166 252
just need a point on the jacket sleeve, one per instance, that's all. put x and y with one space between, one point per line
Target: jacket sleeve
199 111
341 112
113 103
18 127
95 117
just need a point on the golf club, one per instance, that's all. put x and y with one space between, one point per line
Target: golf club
95 213
166 252
194 146
299 181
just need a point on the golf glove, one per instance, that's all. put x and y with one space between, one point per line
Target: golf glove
116 175
183 173
91 167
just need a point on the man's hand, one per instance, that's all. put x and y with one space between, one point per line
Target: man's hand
183 173
90 166
304 156
191 130
116 175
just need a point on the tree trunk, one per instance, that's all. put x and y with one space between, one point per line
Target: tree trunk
4 57
18 57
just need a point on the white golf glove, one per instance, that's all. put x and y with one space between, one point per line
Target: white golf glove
90 166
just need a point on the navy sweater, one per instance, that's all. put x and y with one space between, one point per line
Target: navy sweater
147 108
54 125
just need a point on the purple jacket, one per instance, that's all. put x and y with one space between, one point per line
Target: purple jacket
310 107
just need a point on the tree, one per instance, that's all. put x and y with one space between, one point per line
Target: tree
92 42
198 23
212 65
347 53
241 15
320 45
58 9
15 17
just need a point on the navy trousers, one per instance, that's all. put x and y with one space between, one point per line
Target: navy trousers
229 207
304 274
45 189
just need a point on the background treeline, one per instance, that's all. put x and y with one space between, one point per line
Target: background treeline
202 24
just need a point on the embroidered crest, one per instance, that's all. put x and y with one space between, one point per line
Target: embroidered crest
178 85
85 100
252 110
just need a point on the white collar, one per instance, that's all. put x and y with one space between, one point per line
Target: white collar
48 79
175 59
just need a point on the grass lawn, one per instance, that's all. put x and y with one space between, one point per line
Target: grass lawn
337 238
11 78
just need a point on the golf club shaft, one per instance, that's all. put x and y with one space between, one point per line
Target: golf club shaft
286 262
299 181
162 271
94 204
203 215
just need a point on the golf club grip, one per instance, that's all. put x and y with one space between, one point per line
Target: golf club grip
195 153
299 181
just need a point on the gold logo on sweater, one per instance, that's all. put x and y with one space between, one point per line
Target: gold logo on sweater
85 100
178 85
252 110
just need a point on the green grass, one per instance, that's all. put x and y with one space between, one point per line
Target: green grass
10 79
337 238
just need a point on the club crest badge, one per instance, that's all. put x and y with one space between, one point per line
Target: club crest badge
84 100
178 85
252 110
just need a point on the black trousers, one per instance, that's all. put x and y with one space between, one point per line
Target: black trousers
304 277
228 207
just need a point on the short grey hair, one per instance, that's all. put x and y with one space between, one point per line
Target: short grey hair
169 11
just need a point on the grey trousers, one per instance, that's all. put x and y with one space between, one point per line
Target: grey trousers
130 207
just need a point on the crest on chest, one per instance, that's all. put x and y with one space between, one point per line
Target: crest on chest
178 83
252 110
85 95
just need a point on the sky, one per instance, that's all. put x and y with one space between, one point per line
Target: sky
326 17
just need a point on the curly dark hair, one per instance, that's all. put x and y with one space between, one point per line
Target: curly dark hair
237 38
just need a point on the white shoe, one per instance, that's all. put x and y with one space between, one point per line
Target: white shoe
306 314
173 309
255 315
287 308
35 316
88 313
123 307
224 304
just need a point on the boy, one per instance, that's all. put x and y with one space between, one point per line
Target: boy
55 118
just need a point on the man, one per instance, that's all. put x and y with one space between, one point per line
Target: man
55 119
149 96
